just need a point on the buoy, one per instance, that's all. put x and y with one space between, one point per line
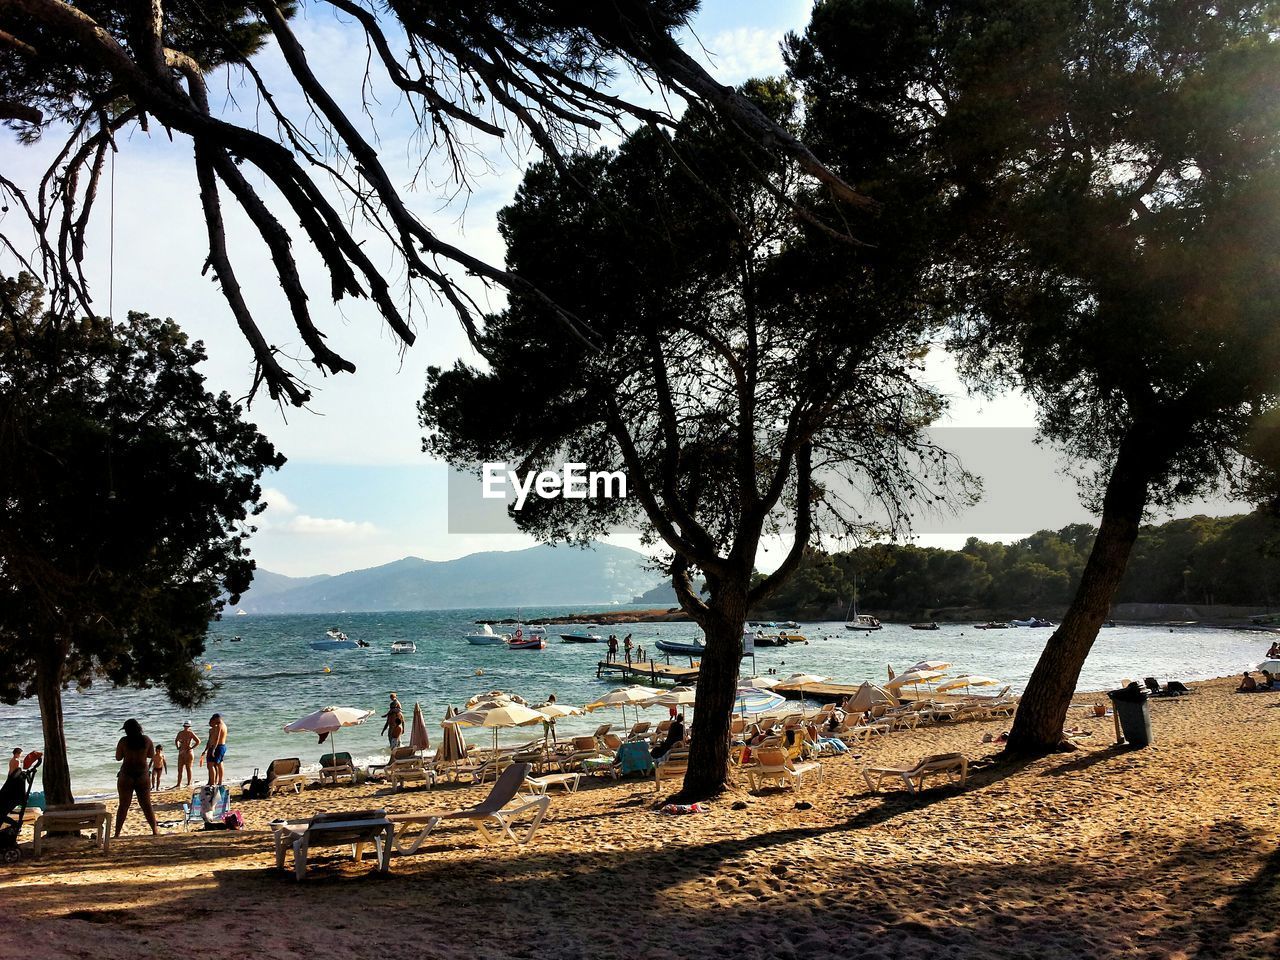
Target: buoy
479 673
327 670
208 666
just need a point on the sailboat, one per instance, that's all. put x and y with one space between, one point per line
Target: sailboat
855 620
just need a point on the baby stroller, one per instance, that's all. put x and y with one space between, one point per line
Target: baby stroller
13 805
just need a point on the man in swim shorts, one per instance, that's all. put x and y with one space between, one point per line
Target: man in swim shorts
215 751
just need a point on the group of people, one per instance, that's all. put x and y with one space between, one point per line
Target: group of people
1248 684
142 764
630 651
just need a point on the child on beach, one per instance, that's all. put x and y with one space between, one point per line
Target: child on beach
158 767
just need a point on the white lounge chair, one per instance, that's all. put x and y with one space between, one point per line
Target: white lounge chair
772 763
355 829
407 767
493 810
913 777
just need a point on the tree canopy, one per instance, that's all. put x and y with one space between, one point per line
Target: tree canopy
128 492
753 376
1106 209
471 73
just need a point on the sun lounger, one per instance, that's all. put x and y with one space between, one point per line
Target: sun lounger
337 767
568 782
493 810
582 748
208 805
671 767
67 817
640 729
773 764
913 777
283 774
355 829
1173 688
407 767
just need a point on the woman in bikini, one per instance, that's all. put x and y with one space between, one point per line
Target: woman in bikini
134 751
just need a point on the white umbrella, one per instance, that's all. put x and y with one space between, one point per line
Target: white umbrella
497 716
1271 666
675 697
554 711
329 720
931 665
752 700
624 697
759 683
967 682
913 678
866 697
801 680
495 696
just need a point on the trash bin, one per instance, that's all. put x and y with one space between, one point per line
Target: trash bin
1134 714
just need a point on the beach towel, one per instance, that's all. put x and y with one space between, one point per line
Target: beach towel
679 809
633 757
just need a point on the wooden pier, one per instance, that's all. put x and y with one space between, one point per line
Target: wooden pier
649 671
822 692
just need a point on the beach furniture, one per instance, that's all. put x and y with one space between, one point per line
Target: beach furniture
66 817
773 764
355 829
568 782
336 768
407 767
498 809
602 731
283 774
1168 690
208 805
671 767
913 777
640 729
634 757
582 748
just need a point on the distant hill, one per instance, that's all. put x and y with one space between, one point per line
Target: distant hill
538 576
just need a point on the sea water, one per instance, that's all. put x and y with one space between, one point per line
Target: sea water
272 677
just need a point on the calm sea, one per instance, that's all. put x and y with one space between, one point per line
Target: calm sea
273 677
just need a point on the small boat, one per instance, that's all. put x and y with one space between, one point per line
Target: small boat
788 625
486 637
404 646
518 642
1033 622
335 639
863 622
537 630
237 639
241 613
924 626
991 625
685 648
581 638
778 639
761 623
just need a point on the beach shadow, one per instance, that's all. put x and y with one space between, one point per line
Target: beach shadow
1088 759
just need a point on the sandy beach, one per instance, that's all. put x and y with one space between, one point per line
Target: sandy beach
1168 851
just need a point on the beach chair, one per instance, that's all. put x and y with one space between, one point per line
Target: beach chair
286 774
70 817
660 732
773 764
913 777
355 829
1173 688
539 786
671 767
582 748
208 805
602 731
407 767
494 810
336 768
634 757
639 730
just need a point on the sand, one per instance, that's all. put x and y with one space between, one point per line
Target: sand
1169 851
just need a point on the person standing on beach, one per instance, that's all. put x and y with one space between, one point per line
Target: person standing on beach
186 741
15 761
134 751
215 751
394 727
158 767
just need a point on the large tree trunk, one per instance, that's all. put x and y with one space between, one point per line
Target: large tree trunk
1037 728
717 685
56 774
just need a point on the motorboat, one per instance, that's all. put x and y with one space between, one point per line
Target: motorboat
404 646
924 626
684 648
788 625
486 637
1032 622
335 639
242 613
991 625
863 621
237 639
519 642
537 630
581 638
779 639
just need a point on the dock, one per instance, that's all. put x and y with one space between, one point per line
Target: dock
822 692
648 671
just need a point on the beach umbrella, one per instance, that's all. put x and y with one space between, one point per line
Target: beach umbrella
552 712
632 696
675 697
418 738
751 700
913 678
931 665
759 683
967 682
453 746
1271 666
496 717
329 721
495 696
866 697
802 680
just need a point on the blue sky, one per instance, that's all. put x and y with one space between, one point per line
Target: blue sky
357 490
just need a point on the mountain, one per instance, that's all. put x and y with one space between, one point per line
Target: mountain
539 576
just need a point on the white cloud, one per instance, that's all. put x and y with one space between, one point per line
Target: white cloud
745 52
278 505
283 517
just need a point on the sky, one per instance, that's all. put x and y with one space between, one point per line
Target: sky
357 490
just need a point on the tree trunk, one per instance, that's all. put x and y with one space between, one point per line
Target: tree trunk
1037 727
55 773
717 685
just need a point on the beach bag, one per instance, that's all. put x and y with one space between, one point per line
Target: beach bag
257 788
234 820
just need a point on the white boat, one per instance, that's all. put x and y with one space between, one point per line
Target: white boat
404 646
859 621
241 613
335 639
486 637
537 630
